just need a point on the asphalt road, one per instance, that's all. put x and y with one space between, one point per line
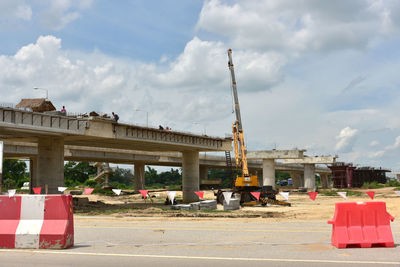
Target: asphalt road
105 241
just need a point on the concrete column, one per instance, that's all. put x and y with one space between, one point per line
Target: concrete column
203 172
32 173
190 176
139 176
309 176
296 179
329 180
107 176
269 172
324 180
50 164
260 178
398 177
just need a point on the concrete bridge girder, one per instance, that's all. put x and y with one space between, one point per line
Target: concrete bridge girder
16 124
140 158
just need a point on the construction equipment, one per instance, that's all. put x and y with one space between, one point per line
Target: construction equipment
246 183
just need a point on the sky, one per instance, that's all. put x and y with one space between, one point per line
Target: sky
315 75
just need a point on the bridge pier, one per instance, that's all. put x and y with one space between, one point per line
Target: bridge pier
190 176
297 179
260 177
268 166
324 180
309 176
139 173
48 167
203 172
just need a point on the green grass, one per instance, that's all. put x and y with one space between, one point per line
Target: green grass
334 192
372 185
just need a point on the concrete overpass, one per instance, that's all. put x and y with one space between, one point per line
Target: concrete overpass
51 132
305 178
141 158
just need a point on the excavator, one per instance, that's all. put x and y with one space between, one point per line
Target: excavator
245 183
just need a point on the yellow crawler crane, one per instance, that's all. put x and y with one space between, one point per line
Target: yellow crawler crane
246 183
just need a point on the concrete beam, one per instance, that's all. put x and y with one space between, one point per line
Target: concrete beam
125 156
275 154
311 160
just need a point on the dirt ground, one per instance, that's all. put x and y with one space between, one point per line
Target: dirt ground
302 207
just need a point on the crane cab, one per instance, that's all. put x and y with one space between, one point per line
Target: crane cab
246 181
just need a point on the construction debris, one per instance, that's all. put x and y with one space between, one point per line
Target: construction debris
234 204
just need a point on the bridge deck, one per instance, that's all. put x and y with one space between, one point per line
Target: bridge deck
22 125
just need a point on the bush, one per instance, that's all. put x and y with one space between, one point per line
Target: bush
392 183
117 185
91 183
372 185
9 183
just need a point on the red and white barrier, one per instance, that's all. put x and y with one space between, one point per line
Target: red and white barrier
36 221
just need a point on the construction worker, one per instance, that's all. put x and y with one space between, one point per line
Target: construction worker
116 117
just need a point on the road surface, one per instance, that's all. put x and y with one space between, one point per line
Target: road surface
111 241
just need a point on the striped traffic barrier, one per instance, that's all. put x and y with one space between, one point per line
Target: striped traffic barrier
36 221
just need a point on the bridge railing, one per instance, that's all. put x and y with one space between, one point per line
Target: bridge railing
35 119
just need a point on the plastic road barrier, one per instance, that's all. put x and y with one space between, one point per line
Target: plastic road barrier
361 224
36 221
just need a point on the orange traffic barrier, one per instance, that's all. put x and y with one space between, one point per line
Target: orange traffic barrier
361 224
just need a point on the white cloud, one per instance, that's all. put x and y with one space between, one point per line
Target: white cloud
52 14
14 10
374 143
24 12
377 154
205 63
346 139
58 13
395 145
299 26
97 82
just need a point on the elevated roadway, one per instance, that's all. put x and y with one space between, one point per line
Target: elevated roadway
51 132
141 158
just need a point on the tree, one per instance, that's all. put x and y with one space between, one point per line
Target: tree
150 176
77 173
14 173
282 176
122 176
172 177
225 175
